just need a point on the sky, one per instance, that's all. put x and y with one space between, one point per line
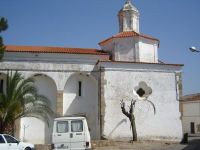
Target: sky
84 23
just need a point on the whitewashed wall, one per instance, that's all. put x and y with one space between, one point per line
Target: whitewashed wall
125 49
119 82
133 49
35 130
148 50
54 78
191 113
86 104
52 57
165 124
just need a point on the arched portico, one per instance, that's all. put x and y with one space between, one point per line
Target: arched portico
81 97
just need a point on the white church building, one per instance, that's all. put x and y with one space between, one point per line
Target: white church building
92 82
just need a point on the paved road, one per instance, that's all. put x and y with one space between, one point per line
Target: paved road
194 144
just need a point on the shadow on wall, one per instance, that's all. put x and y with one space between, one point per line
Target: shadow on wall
82 106
121 122
82 98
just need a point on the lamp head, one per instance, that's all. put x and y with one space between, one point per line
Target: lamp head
193 49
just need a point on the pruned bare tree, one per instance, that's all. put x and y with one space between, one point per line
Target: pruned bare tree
131 117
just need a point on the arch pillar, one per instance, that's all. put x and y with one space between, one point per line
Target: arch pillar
59 103
17 128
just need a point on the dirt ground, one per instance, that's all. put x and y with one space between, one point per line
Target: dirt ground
193 144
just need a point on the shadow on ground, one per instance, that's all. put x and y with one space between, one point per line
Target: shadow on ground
194 144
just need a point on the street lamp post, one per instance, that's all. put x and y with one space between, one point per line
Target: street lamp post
194 49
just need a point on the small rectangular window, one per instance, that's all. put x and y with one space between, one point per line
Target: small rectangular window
1 86
79 88
62 127
192 127
77 126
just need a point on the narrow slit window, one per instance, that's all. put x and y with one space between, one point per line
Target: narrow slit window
1 86
79 88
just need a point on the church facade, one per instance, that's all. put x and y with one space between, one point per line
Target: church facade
92 82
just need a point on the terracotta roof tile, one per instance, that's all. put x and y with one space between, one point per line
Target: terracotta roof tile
191 97
127 34
42 49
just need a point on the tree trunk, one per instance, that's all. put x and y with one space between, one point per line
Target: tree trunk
2 127
133 127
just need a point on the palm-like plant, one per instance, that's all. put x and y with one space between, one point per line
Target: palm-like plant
21 99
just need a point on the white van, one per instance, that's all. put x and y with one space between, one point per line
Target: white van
71 133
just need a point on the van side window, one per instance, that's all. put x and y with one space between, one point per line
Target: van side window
77 126
10 139
1 139
62 127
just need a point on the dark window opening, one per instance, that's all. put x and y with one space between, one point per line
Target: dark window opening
79 88
140 92
1 86
192 127
198 128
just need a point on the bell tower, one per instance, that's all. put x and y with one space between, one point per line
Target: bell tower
128 18
129 44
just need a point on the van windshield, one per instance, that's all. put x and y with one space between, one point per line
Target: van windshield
62 127
77 126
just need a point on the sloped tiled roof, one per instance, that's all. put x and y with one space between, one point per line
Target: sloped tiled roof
191 97
127 34
43 49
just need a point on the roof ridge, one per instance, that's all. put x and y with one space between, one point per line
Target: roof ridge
128 34
48 49
190 97
194 94
52 47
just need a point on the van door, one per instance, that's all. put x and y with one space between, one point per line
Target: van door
77 135
61 135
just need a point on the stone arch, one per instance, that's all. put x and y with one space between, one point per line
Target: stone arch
86 103
29 126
